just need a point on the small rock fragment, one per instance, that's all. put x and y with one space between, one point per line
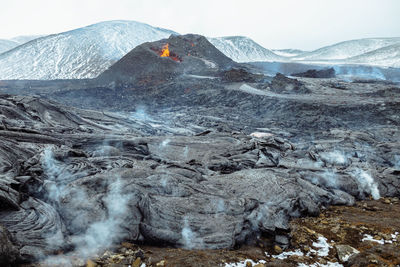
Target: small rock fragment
137 262
278 249
282 239
344 252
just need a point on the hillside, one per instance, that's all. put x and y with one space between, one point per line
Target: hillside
243 49
347 49
80 53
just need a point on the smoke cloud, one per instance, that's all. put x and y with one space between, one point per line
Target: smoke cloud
397 162
367 183
335 157
103 231
189 237
348 73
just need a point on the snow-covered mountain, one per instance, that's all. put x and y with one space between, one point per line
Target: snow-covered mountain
288 52
388 56
347 49
6 45
87 52
80 53
22 39
243 49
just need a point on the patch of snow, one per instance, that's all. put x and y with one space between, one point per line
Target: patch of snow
286 254
370 238
322 246
328 264
346 257
243 263
394 238
261 134
200 76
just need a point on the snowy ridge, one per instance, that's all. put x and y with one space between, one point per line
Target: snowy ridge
80 53
347 49
388 56
243 49
22 39
6 45
87 52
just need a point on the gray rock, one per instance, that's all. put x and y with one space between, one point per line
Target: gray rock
9 253
282 239
344 252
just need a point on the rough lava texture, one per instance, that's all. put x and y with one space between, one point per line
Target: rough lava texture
62 168
187 157
8 252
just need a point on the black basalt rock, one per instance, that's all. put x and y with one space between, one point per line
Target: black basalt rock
325 73
9 253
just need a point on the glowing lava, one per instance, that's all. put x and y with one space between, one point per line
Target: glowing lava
165 51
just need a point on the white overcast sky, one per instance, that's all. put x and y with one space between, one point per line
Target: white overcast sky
304 24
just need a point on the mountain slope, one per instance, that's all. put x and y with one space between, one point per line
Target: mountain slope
243 49
347 49
6 45
147 65
388 56
80 53
22 39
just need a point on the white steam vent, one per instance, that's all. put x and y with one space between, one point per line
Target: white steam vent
367 183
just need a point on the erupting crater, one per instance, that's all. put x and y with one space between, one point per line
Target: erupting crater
190 54
165 52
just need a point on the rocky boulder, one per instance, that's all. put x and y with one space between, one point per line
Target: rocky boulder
284 85
325 73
